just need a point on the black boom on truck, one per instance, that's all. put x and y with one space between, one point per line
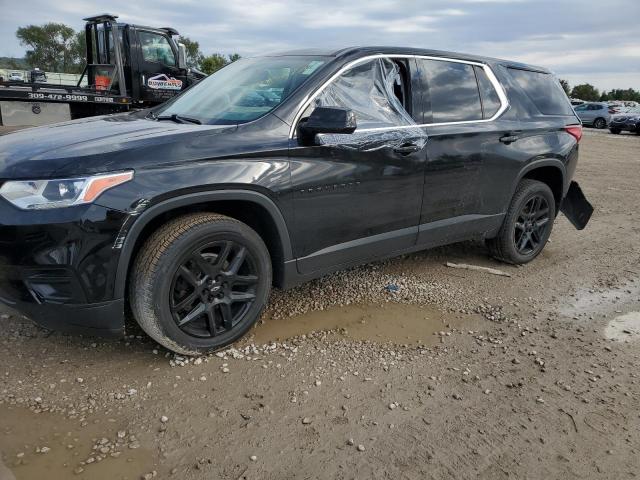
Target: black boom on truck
127 66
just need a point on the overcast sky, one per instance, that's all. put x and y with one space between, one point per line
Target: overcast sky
581 40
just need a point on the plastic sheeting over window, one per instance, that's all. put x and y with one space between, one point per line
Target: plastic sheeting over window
369 91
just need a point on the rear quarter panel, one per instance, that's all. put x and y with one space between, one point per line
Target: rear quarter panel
542 142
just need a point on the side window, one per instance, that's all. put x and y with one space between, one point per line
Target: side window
374 90
156 48
488 95
453 90
543 90
580 108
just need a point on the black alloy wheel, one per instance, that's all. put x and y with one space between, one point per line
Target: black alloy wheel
527 224
200 282
213 288
600 123
531 225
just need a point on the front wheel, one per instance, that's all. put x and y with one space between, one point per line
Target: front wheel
527 224
599 123
200 282
615 131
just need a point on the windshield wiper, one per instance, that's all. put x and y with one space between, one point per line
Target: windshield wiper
179 119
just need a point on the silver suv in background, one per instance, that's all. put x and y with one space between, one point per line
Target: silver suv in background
594 114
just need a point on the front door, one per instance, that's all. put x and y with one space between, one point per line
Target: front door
160 77
359 195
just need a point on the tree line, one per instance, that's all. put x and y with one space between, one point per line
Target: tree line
56 47
586 91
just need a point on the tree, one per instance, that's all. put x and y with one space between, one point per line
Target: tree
52 46
79 50
215 62
585 91
625 95
565 86
194 55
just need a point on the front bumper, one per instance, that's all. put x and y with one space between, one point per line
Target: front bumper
58 267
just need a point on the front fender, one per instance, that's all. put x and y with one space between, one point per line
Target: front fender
130 233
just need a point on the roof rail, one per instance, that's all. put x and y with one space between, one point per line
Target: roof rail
104 17
169 30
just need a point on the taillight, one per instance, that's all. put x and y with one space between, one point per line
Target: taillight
575 131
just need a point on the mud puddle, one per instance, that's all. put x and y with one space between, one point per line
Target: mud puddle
389 322
592 301
624 328
46 446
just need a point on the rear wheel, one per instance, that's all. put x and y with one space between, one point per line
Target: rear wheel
600 123
527 224
200 282
615 131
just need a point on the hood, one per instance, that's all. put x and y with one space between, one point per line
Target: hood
93 145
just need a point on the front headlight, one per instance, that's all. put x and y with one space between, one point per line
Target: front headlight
42 194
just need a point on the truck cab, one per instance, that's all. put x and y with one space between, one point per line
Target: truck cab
127 67
146 64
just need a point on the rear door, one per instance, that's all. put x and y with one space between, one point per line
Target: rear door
158 72
583 113
460 103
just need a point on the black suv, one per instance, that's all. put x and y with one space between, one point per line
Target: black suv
273 171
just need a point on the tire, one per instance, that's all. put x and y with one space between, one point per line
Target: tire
615 131
520 221
599 123
200 282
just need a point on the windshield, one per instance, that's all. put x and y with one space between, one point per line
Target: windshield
243 90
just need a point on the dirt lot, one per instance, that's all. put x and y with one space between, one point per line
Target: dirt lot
405 369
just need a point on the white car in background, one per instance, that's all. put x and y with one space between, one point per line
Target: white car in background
16 77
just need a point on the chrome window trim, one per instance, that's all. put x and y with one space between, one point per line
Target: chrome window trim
504 102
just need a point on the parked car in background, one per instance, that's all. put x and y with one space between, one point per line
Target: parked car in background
627 121
38 76
273 171
577 101
616 108
15 77
594 114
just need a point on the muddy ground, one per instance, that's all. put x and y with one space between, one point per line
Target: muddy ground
405 369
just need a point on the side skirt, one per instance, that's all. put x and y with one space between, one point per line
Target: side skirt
380 247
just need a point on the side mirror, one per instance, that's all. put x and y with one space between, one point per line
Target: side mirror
182 56
328 120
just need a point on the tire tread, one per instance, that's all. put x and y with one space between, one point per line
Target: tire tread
146 265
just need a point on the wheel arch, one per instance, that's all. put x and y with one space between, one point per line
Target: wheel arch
551 172
253 208
599 118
